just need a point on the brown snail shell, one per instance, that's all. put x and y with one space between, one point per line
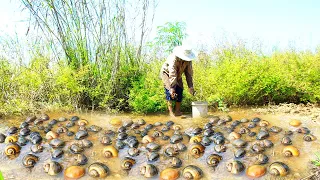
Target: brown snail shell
261 159
147 139
177 127
127 163
36 148
257 148
171 152
286 140
52 168
81 159
74 172
309 137
197 150
29 160
289 151
169 174
256 171
83 122
235 167
192 172
279 169
98 170
219 148
195 139
295 123
11 139
213 160
12 149
234 136
149 170
175 162
52 135
110 151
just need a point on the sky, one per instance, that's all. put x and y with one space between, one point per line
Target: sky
274 23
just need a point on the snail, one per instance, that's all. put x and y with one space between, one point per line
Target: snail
98 170
176 139
266 143
239 153
244 130
30 119
256 148
12 149
309 137
192 172
57 153
52 168
286 140
36 148
169 174
153 156
122 136
153 147
169 123
122 129
44 117
22 141
133 151
275 129
106 140
263 123
239 143
262 135
85 143
62 130
11 139
214 119
81 159
207 126
213 160
175 162
149 170
177 127
171 152
256 171
252 125
74 118
70 124
195 139
147 139
94 128
52 135
206 141
261 159
75 149
29 160
157 134
83 122
295 123
180 147
110 151
197 150
279 169
120 144
74 172
141 122
289 151
288 133
234 136
127 163
235 167
62 119
12 130
57 143
81 135
127 123
256 119
219 148
208 132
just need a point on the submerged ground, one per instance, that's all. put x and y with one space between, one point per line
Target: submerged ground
276 115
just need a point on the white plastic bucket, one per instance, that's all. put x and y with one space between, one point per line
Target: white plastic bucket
199 109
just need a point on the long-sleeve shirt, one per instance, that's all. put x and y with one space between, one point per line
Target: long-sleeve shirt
172 70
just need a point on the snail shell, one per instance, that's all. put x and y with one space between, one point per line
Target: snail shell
52 135
195 139
261 159
279 169
219 148
239 153
147 139
256 148
153 156
175 162
36 148
235 167
169 174
153 147
289 151
11 139
295 123
309 137
52 168
192 172
176 139
83 122
149 170
106 140
256 171
12 149
180 147
110 151
29 160
234 136
197 150
286 140
213 160
76 149
127 163
157 134
263 123
239 143
244 130
98 170
177 127
81 159
74 172
171 152
133 151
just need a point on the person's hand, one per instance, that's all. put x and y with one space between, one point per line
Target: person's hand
191 91
172 93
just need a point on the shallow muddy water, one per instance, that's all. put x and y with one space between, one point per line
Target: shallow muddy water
299 166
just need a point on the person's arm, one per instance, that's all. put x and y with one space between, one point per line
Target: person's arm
188 72
172 69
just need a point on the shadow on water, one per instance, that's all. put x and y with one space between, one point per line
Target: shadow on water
299 166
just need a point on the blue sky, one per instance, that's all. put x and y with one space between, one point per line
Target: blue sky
275 23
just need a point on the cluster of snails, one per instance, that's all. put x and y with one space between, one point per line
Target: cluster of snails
127 137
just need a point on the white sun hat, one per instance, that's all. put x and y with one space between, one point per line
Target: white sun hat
184 52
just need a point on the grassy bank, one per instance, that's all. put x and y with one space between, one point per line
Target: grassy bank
227 76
